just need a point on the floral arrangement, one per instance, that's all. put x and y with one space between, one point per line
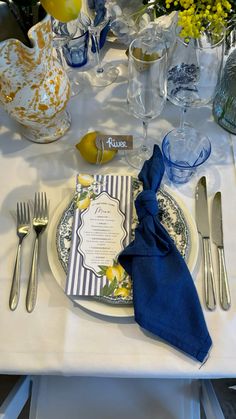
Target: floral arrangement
193 15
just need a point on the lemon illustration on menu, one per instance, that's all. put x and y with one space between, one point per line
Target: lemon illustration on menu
116 275
116 271
84 200
119 281
85 180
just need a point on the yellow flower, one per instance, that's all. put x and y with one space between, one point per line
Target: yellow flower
194 15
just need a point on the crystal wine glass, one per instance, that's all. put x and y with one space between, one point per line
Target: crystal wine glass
146 94
96 19
193 73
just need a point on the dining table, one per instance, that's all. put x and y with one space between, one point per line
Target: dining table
61 337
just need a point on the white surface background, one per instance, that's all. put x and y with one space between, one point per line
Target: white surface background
59 338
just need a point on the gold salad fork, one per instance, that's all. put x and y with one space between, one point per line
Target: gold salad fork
40 221
23 228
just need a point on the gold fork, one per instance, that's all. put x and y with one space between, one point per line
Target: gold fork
23 228
40 221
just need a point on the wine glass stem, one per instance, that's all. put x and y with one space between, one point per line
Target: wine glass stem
145 132
182 118
97 52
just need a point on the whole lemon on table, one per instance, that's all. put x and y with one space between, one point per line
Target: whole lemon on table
63 10
89 151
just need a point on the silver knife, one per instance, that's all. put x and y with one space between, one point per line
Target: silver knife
217 236
202 219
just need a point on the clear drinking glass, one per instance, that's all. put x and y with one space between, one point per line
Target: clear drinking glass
194 70
146 94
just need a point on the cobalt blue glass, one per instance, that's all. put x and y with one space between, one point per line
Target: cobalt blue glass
76 50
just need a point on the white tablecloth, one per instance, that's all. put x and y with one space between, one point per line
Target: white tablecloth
58 337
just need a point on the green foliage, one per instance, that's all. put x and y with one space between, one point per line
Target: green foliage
103 269
83 195
108 289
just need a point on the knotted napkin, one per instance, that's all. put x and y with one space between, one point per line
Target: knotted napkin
164 296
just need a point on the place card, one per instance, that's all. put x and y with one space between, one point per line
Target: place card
101 230
114 142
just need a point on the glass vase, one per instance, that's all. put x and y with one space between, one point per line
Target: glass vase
224 104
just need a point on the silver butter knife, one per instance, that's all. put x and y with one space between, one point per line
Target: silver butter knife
217 236
202 219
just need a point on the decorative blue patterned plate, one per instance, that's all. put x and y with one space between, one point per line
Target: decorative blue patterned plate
172 218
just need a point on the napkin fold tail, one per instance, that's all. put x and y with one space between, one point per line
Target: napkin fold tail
166 301
194 346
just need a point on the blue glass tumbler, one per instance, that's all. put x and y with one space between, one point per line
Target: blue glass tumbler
76 50
184 152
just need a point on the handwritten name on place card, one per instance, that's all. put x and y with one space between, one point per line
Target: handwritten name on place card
114 142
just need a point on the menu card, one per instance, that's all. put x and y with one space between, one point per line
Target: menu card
101 229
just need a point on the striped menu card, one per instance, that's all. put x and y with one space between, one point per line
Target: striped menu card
101 229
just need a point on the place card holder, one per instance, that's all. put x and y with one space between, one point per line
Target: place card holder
112 142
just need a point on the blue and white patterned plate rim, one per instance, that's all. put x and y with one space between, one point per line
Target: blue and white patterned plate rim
93 306
172 218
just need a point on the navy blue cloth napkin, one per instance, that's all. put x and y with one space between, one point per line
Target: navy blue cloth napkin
164 296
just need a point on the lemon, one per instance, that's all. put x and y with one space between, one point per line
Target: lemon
122 292
145 56
129 285
142 56
63 10
85 180
83 203
112 272
121 271
89 151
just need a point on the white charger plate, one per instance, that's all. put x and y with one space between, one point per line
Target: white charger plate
94 305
